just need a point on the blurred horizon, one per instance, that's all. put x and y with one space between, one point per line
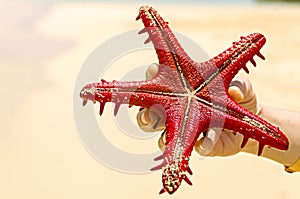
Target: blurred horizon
187 2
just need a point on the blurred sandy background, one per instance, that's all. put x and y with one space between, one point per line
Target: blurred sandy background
42 47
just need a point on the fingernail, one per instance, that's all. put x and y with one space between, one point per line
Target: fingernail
151 71
144 117
236 93
162 142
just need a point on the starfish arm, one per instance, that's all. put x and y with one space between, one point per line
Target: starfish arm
183 127
239 119
241 52
139 93
167 47
228 63
164 41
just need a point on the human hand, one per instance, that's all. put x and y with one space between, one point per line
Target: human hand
215 142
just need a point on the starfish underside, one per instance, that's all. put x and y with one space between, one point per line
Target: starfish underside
193 96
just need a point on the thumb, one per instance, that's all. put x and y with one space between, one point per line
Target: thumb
219 143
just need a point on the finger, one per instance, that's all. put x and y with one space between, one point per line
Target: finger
152 70
243 85
162 141
201 147
242 92
149 121
206 145
227 144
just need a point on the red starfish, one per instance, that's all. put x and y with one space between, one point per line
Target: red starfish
192 95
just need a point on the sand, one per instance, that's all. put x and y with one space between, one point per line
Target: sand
42 50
